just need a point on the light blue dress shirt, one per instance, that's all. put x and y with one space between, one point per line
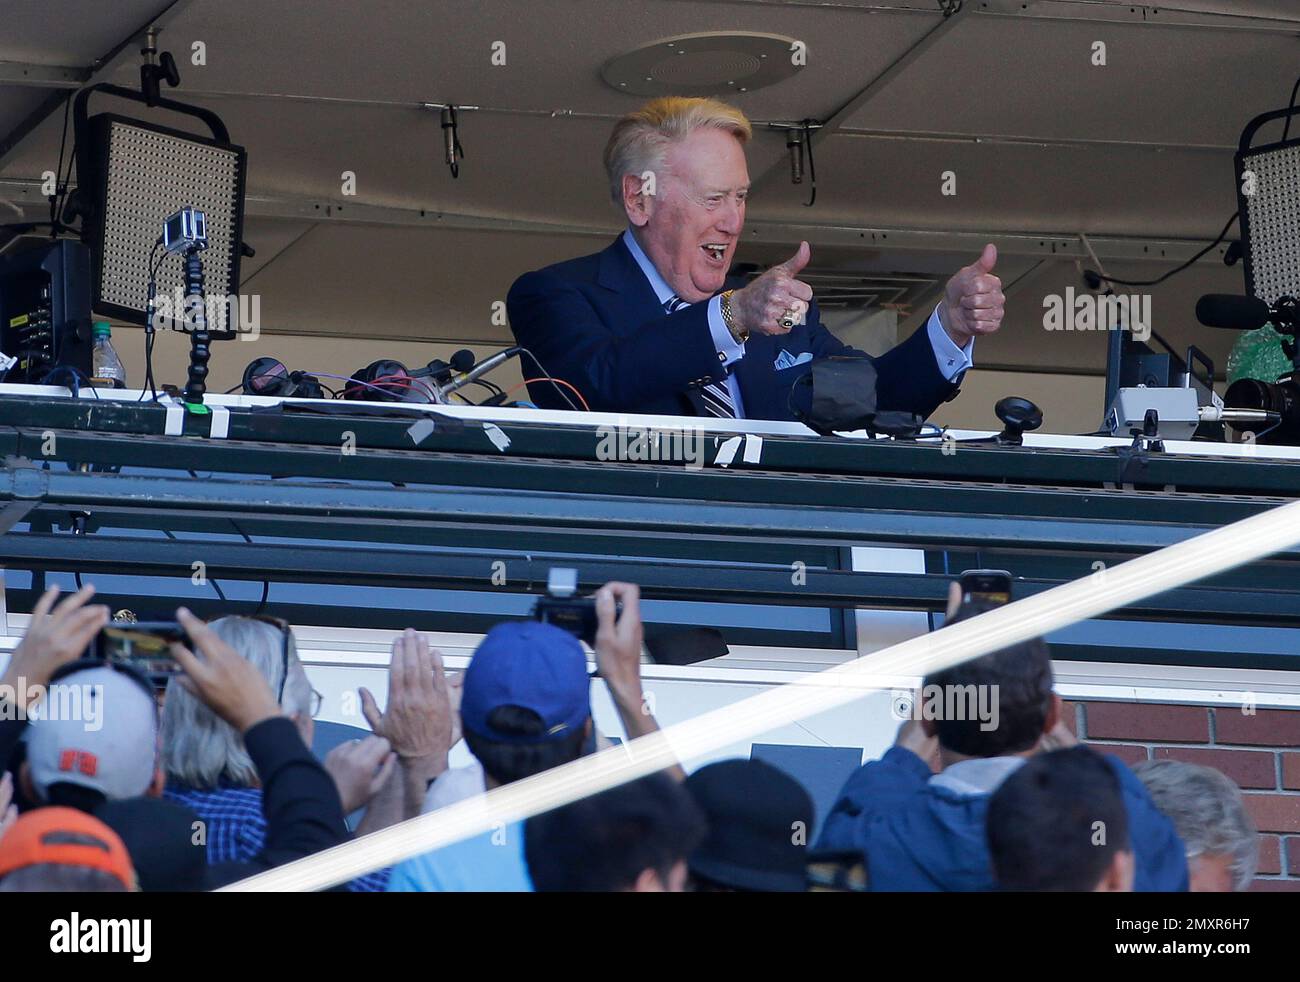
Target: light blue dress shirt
492 862
951 359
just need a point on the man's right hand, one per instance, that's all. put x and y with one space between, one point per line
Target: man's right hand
619 640
1059 737
776 294
56 635
360 769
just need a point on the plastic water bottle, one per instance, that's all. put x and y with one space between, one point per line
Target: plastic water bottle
105 367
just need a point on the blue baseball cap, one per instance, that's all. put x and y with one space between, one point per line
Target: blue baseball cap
534 666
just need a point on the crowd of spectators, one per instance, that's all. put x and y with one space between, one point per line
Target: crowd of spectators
212 779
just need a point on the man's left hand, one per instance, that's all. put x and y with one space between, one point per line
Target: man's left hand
417 720
973 300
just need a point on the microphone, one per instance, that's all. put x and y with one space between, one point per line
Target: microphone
1218 414
1233 312
462 360
475 372
440 371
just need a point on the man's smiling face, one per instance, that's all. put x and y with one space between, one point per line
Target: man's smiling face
691 225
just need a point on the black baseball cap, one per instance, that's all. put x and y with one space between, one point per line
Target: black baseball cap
760 819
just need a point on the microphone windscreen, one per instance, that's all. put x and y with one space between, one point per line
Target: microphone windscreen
1231 311
462 360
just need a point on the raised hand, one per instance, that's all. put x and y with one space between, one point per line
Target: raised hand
776 295
619 638
360 769
973 300
56 635
418 718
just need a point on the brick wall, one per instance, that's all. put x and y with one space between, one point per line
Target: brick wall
1261 752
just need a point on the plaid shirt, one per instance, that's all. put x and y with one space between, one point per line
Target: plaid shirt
236 827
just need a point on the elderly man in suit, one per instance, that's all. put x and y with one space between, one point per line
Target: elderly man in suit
651 324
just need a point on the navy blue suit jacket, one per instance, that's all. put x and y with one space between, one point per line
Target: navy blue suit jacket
596 323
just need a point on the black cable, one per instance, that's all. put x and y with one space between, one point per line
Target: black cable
496 390
1286 129
60 189
155 264
55 363
148 368
58 170
67 179
1175 270
266 584
78 529
77 376
812 165
215 585
547 375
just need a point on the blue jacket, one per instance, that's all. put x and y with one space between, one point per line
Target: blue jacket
596 323
916 836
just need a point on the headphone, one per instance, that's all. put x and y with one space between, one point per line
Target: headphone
269 377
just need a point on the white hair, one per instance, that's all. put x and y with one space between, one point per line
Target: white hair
1207 811
640 140
201 750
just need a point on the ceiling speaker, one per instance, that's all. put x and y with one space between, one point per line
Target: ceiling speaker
705 64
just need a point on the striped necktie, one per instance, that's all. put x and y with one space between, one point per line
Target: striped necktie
715 395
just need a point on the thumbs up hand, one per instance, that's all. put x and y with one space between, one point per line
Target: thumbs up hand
973 300
774 297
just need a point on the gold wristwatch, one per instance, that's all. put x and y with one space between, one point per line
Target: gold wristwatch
729 318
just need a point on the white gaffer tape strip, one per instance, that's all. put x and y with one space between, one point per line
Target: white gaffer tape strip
174 421
497 436
727 452
1103 591
220 422
420 429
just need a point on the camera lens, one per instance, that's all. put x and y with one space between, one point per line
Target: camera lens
1281 397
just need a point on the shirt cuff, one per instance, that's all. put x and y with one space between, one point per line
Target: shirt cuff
952 359
727 347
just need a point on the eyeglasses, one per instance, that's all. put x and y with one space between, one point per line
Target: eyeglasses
281 625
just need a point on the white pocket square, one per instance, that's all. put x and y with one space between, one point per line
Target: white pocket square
786 360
